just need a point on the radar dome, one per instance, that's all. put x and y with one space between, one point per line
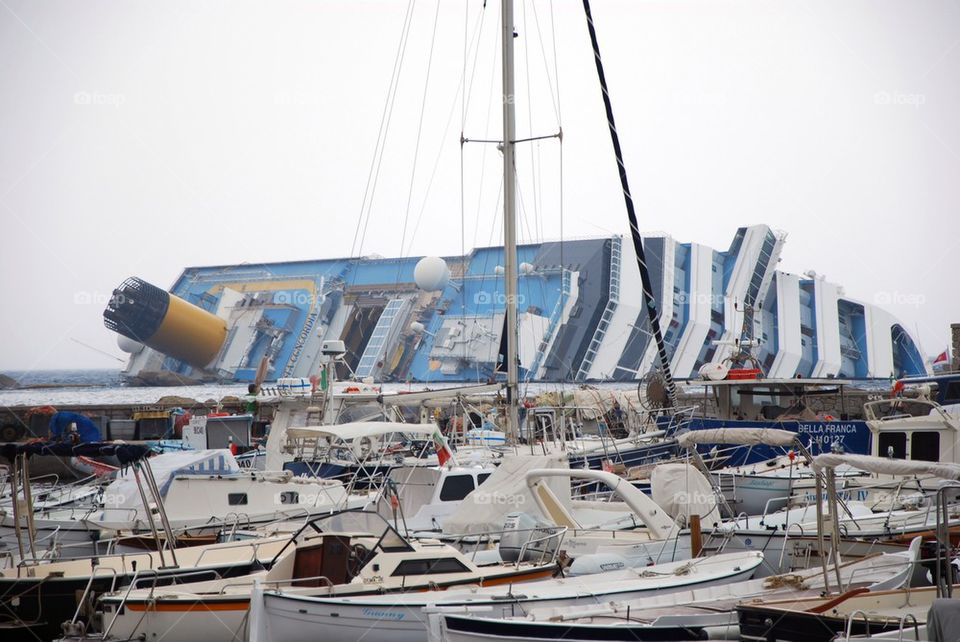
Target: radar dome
526 268
417 327
128 345
431 273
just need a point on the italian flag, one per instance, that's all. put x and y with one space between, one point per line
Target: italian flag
444 454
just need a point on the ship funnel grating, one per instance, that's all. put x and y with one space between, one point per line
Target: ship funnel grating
136 309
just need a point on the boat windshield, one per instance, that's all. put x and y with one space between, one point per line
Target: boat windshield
360 522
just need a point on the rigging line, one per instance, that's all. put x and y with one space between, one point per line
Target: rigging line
396 62
463 218
416 147
486 127
649 300
556 75
496 229
533 165
436 161
554 99
386 130
478 32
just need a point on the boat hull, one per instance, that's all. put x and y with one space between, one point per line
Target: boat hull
288 618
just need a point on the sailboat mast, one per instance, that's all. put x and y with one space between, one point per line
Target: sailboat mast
510 217
649 300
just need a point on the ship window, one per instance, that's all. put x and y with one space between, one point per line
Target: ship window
237 499
895 440
952 393
482 477
429 567
456 487
925 446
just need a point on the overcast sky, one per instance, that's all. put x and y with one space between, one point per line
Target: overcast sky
137 138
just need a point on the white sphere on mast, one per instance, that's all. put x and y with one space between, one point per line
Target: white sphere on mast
431 273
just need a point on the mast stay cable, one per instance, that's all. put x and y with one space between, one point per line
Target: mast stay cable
650 302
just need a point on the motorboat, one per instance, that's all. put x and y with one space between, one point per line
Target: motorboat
695 614
280 615
350 553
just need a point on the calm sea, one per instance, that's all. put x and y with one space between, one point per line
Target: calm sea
95 387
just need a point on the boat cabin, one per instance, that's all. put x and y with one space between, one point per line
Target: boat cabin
914 429
770 399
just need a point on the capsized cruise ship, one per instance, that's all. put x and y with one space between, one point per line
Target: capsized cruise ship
438 320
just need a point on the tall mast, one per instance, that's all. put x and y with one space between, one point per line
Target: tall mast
510 217
649 300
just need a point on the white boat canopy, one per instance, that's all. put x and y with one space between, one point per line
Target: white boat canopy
360 429
888 466
738 436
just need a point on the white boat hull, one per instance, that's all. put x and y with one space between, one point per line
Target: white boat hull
289 618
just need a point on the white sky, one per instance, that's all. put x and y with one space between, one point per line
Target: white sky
138 137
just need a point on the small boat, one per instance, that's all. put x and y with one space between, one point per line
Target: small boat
350 553
685 615
857 612
280 615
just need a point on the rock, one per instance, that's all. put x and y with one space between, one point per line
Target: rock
174 400
8 383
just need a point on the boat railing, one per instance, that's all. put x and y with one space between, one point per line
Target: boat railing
680 420
277 583
128 514
545 550
177 578
253 544
86 591
903 623
786 540
902 408
126 595
850 618
465 540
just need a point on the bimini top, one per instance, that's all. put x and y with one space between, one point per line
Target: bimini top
126 453
888 466
359 429
738 436
196 463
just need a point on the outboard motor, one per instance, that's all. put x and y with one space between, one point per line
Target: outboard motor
521 528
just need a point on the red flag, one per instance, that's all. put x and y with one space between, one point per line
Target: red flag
943 357
444 454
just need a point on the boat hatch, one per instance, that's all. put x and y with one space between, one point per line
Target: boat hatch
333 559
